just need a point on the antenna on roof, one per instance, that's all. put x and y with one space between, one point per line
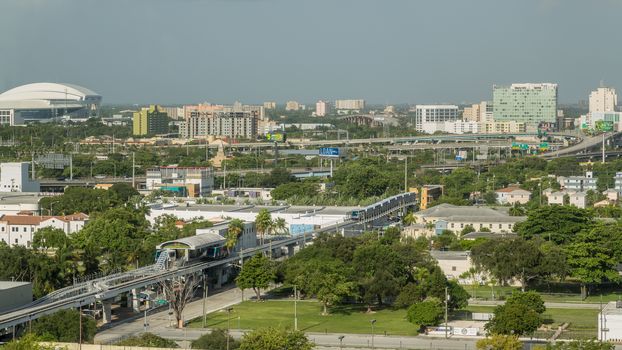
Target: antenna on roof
602 83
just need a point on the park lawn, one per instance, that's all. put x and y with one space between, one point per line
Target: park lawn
485 292
579 319
343 319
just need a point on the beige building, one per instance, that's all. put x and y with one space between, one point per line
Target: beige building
512 195
20 229
478 112
603 99
269 105
506 127
456 218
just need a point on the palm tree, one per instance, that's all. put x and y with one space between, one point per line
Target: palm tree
264 223
280 226
236 226
409 219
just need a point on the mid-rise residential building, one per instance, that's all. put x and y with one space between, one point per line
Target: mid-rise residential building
322 108
512 195
428 117
174 112
526 103
351 105
579 183
20 229
456 218
224 124
603 99
479 112
15 177
182 181
151 120
269 105
292 106
509 127
594 121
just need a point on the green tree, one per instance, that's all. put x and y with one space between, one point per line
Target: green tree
557 223
264 224
149 340
280 226
514 319
257 273
425 313
48 238
591 263
64 326
500 342
460 183
531 299
275 339
292 189
121 192
215 340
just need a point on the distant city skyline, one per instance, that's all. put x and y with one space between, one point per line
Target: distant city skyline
386 52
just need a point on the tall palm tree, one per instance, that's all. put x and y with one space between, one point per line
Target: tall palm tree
236 226
264 223
409 219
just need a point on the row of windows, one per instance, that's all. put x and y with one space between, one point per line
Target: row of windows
462 225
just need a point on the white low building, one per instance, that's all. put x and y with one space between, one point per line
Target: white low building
578 199
557 197
247 239
512 195
20 229
610 322
15 177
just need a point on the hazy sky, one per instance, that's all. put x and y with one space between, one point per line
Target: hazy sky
386 51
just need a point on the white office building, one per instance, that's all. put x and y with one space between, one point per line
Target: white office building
603 99
429 117
579 183
182 181
20 229
15 177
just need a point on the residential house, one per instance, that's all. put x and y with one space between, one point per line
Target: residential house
512 195
578 199
456 218
20 229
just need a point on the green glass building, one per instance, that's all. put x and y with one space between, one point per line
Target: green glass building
527 103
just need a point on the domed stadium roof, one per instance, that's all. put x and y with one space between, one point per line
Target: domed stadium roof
47 91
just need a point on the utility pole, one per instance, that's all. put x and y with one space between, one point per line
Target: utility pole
80 325
133 170
295 308
446 302
406 173
603 148
204 300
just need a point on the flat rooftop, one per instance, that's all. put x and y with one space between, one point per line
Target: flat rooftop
12 284
19 198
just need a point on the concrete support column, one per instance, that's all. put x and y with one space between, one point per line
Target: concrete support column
135 300
217 277
128 302
107 311
290 250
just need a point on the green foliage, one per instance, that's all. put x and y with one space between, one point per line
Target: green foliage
257 273
531 299
514 319
64 326
460 183
379 270
49 237
28 342
291 189
122 192
425 313
215 340
79 199
263 222
149 340
557 223
234 230
367 178
577 345
275 339
500 342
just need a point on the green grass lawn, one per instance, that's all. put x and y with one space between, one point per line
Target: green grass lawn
350 319
485 293
579 319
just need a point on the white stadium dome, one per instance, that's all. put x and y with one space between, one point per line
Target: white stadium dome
41 102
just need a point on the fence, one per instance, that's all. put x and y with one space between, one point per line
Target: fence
74 346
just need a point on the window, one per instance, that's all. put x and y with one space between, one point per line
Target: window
453 268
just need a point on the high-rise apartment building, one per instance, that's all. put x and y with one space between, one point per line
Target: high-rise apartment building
351 105
429 117
150 120
603 99
174 113
526 103
322 108
225 124
184 181
269 105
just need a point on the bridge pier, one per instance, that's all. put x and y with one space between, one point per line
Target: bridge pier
135 300
290 250
107 311
218 277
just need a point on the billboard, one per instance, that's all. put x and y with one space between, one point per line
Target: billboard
330 152
276 136
602 125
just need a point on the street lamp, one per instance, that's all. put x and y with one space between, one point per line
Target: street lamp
341 341
295 308
229 309
373 322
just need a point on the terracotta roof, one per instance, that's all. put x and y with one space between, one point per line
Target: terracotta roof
36 220
511 189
